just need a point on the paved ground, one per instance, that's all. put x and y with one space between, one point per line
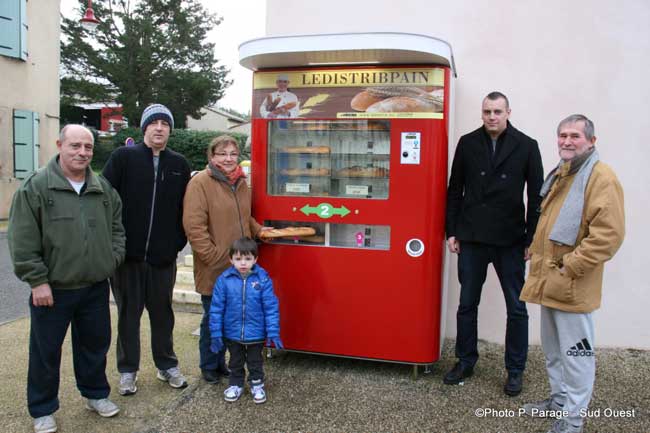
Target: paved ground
13 292
319 394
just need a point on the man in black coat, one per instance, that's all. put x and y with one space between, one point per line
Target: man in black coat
151 180
487 223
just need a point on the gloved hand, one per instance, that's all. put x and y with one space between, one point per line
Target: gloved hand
216 345
276 341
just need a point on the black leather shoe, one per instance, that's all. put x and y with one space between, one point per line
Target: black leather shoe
513 384
210 376
457 374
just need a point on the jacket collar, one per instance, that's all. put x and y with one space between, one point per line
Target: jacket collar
144 148
567 168
505 144
217 175
231 271
57 180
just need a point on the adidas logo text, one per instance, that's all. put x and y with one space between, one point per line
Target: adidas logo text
582 348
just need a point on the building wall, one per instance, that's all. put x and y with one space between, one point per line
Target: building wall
552 59
244 128
210 121
30 85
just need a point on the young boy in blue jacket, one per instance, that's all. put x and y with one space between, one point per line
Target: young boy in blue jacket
244 312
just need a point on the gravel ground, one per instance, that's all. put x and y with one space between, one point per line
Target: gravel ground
309 393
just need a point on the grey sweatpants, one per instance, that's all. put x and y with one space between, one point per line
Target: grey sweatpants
568 343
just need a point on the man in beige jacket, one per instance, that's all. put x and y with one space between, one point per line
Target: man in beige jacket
581 226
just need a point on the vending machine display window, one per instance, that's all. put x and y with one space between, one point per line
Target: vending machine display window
329 158
374 237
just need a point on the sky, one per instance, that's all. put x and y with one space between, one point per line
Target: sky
242 21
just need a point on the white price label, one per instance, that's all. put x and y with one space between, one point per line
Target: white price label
356 189
297 187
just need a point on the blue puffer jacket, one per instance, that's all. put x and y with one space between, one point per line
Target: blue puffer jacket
244 310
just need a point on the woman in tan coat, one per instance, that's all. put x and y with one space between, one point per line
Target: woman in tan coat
216 212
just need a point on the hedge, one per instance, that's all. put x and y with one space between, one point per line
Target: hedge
191 144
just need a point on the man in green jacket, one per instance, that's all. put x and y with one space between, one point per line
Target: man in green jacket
65 238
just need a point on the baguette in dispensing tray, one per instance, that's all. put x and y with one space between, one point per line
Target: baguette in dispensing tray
287 232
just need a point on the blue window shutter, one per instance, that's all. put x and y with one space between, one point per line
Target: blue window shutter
36 122
23 143
10 27
23 29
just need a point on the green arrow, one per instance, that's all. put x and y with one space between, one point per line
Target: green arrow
325 210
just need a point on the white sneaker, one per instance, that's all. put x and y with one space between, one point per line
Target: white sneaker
543 409
44 424
104 407
172 376
257 390
563 426
232 393
128 383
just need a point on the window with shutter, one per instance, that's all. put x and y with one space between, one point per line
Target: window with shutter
26 143
13 28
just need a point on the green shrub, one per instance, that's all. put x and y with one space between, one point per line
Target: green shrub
191 144
101 152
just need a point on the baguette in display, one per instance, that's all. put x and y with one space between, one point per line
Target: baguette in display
305 149
305 172
287 232
402 104
357 171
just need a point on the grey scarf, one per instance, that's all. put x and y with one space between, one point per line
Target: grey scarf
566 227
216 173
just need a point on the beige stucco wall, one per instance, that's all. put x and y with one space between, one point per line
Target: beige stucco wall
210 121
30 85
552 59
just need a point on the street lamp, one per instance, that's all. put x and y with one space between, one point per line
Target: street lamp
89 22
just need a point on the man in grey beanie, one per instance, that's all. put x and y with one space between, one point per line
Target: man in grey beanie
151 181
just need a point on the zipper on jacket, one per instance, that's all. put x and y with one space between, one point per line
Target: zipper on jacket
234 193
243 309
84 224
153 207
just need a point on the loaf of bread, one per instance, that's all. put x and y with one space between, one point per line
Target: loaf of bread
363 100
305 172
287 232
402 104
305 149
377 126
357 171
273 104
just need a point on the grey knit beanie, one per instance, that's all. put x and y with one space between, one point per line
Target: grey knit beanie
155 112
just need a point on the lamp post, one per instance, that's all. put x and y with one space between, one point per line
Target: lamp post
89 22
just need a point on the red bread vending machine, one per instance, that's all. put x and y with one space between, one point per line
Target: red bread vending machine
350 137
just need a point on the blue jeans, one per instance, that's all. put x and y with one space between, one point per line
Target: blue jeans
509 265
209 360
87 311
